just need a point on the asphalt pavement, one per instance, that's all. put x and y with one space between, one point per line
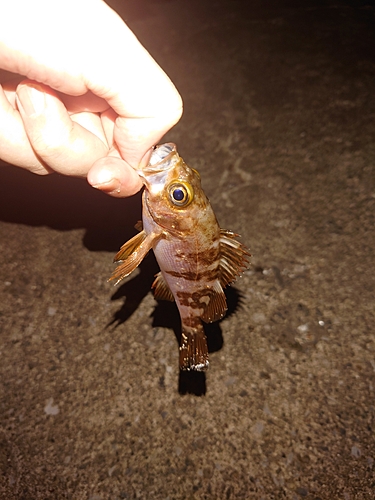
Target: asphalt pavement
280 122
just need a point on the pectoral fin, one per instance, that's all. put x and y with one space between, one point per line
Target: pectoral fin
233 257
132 253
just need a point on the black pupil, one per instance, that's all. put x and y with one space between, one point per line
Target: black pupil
178 194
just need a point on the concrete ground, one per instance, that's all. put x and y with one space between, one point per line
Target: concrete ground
279 120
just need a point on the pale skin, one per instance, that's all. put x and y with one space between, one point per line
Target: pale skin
79 94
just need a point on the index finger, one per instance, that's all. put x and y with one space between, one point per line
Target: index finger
99 53
140 92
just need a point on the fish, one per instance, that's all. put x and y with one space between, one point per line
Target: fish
197 258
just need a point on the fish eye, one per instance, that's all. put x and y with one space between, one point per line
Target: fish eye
180 194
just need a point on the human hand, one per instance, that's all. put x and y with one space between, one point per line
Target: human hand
93 102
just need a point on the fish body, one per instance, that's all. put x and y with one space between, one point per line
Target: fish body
197 259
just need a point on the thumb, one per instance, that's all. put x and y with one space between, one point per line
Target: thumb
114 176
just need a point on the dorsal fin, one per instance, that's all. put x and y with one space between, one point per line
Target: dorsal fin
161 289
217 305
233 257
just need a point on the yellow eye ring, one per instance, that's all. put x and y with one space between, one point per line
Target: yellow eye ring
181 194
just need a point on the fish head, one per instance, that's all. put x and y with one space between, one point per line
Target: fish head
173 195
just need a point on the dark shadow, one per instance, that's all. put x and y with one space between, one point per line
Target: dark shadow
135 11
133 291
66 203
234 300
166 315
192 383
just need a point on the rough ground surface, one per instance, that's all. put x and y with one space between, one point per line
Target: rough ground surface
279 120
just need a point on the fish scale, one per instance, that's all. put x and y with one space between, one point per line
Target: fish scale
197 259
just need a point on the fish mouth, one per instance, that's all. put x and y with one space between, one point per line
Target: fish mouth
161 152
162 158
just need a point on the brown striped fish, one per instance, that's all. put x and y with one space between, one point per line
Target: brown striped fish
197 259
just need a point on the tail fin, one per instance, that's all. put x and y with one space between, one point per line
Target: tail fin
193 351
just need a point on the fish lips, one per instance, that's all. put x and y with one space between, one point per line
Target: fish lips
163 158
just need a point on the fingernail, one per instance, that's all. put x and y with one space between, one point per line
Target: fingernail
31 98
104 181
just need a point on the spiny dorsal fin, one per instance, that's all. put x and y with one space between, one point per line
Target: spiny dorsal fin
217 305
233 257
161 289
132 253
